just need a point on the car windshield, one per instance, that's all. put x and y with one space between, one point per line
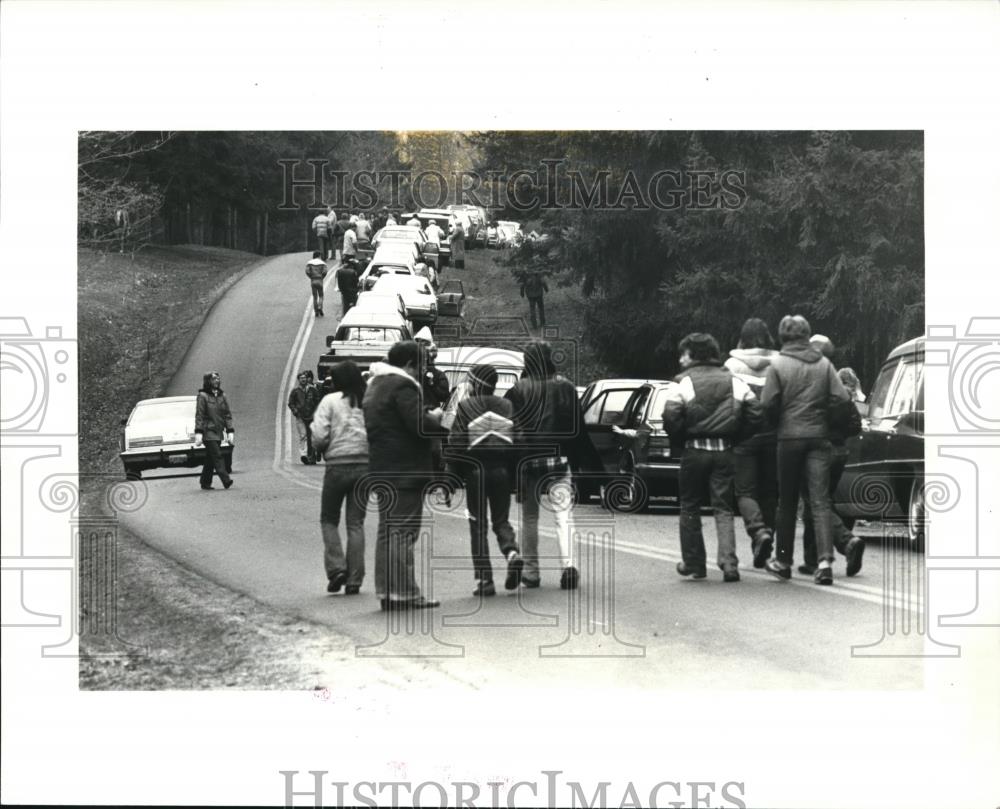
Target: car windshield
163 411
369 334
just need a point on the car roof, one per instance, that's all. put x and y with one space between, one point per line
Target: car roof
356 317
914 346
401 230
166 400
401 280
473 355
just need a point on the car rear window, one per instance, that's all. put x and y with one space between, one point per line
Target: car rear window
365 334
163 411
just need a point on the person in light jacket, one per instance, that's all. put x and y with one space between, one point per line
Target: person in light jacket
801 397
338 431
213 424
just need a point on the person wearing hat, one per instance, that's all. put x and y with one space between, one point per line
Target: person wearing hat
434 233
802 396
436 387
479 446
844 541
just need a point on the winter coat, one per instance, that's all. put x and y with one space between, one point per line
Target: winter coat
802 393
483 430
316 270
347 280
302 402
710 402
399 429
547 413
321 225
750 365
212 418
437 388
338 430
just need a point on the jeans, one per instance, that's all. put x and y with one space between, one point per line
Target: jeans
840 529
213 463
324 247
340 483
559 500
317 293
756 484
488 485
347 300
707 475
399 525
803 459
539 304
305 438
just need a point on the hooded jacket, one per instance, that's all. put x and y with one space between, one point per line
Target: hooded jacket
339 430
750 365
802 392
212 416
399 429
483 429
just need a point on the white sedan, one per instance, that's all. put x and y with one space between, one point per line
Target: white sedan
418 295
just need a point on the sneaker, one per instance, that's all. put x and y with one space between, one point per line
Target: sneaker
515 564
484 587
228 484
207 488
694 573
762 545
418 603
730 574
807 570
570 578
336 582
352 589
824 575
855 552
304 459
779 569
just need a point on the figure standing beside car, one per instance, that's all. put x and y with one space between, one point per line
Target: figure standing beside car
213 424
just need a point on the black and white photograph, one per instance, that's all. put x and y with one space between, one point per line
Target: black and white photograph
500 451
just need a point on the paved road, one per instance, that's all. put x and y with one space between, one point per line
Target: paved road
634 622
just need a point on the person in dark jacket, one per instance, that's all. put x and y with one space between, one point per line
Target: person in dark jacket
755 462
479 446
399 456
533 287
844 541
710 408
302 402
213 424
347 283
553 442
801 396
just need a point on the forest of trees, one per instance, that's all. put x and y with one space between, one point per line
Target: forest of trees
829 225
825 224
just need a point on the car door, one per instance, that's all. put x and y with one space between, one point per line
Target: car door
603 413
632 443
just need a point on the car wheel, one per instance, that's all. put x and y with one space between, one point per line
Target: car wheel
916 522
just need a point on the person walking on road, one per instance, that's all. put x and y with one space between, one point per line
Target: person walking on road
338 432
755 462
399 456
533 287
347 283
844 541
709 408
213 424
479 446
321 227
458 246
350 251
302 402
316 272
802 396
549 425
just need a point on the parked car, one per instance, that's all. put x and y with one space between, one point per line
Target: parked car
457 362
511 234
383 264
603 403
647 461
418 295
888 456
443 218
429 252
159 433
493 236
364 337
382 301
